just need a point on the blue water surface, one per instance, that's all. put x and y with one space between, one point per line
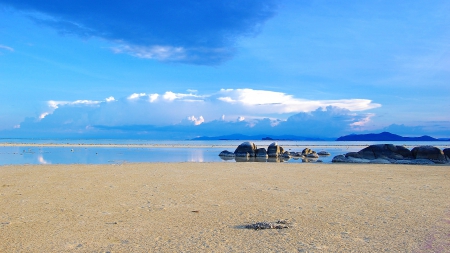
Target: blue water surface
167 151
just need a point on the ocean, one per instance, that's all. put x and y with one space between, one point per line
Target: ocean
112 151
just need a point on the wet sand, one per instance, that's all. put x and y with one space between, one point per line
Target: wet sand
204 207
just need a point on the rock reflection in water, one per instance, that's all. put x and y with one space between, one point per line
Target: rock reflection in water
227 158
270 159
256 159
309 160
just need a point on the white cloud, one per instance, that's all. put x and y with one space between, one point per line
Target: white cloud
43 115
171 96
53 105
6 48
110 99
153 97
278 102
171 108
161 53
197 121
362 122
226 99
135 96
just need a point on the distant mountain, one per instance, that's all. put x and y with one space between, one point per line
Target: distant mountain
384 136
257 137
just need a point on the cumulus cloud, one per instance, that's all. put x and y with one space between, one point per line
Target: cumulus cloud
136 95
278 102
110 99
246 111
196 121
195 32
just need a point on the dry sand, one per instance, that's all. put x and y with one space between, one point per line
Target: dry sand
203 207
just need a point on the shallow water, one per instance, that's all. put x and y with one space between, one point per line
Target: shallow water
161 151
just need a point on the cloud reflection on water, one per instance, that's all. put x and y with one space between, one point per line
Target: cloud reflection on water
42 160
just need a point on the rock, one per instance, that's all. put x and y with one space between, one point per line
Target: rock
384 151
274 150
406 153
286 154
344 159
339 159
295 154
306 151
261 153
358 160
447 153
323 153
429 152
388 153
227 153
246 149
415 161
312 155
353 154
380 161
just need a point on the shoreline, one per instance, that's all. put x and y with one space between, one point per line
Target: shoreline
84 145
204 207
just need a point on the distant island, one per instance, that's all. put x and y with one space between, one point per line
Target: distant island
385 136
257 137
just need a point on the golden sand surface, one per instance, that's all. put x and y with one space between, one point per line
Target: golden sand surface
204 207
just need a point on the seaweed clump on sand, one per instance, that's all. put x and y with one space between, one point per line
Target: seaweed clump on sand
281 224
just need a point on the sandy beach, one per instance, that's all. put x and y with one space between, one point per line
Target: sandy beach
204 207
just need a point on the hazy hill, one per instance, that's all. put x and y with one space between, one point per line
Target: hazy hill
384 136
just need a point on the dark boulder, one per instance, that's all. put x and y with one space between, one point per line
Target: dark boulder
274 150
312 155
227 153
406 153
306 151
261 152
349 159
323 153
415 162
246 149
286 154
354 155
447 153
384 151
429 152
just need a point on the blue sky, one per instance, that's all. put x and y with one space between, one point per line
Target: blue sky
180 69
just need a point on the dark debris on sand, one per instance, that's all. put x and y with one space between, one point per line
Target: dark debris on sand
281 224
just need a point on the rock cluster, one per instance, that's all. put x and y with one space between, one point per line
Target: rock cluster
248 151
389 153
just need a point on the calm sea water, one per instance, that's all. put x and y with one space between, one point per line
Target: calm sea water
160 151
